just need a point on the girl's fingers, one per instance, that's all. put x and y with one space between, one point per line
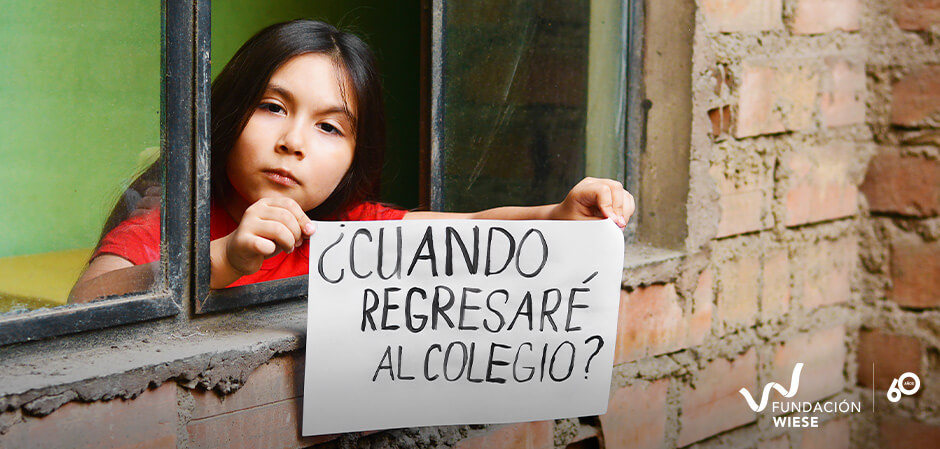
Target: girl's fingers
629 206
262 245
274 231
603 200
617 191
291 206
286 218
267 209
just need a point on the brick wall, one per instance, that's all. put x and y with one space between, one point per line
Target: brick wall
901 250
820 124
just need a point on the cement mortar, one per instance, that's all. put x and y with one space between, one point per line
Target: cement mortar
888 44
565 431
927 229
409 438
185 405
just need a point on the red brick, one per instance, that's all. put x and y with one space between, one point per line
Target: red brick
744 201
271 426
915 272
714 405
781 442
531 435
820 187
729 16
756 103
843 93
823 356
636 417
279 379
832 434
890 355
825 271
147 422
917 15
775 290
700 323
916 97
823 16
905 433
650 323
906 185
773 100
737 292
721 120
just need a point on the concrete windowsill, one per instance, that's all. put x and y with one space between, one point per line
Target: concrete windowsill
212 352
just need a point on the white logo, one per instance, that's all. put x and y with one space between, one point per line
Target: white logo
794 385
899 386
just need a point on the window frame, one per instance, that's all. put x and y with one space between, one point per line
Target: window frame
166 298
207 300
632 26
185 108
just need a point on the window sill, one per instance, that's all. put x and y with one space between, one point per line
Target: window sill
644 265
215 352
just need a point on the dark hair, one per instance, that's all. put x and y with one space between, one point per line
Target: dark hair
238 88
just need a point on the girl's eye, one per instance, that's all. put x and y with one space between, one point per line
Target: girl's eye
330 129
271 107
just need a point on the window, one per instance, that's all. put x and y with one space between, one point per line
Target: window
531 100
84 110
547 83
393 32
525 99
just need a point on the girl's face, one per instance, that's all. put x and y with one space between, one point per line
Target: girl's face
299 141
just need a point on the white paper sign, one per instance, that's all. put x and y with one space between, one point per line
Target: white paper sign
439 322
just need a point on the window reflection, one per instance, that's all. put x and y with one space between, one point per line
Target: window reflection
79 120
531 99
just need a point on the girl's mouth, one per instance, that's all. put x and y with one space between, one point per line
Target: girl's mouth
282 177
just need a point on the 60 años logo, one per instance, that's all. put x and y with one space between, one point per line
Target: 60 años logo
901 384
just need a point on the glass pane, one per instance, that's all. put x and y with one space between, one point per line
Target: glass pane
532 99
79 121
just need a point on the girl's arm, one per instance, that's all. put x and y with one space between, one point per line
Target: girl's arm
108 275
590 198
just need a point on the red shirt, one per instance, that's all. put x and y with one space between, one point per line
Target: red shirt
137 239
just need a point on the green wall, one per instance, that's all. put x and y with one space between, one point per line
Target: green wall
391 28
79 102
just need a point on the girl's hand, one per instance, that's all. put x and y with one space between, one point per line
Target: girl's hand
596 198
268 226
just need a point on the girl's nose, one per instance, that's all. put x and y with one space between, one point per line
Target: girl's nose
292 141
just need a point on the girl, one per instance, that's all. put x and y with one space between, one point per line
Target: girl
298 134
